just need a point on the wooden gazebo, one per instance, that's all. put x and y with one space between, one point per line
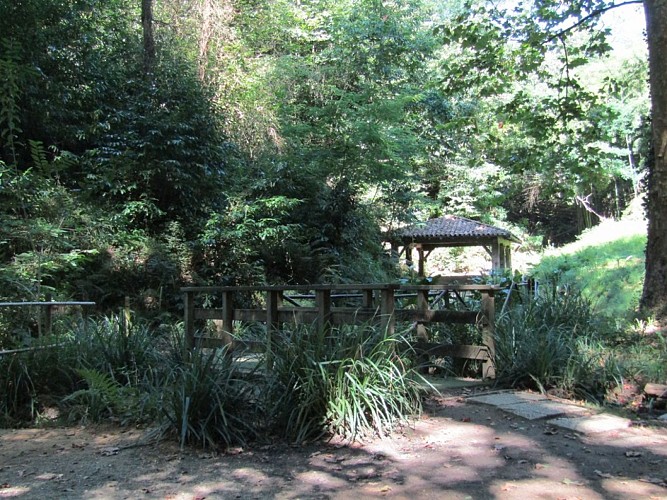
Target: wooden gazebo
453 231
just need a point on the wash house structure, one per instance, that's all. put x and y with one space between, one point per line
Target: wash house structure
452 231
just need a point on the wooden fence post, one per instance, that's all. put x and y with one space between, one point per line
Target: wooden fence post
48 317
272 323
228 318
488 333
189 321
323 301
367 300
387 306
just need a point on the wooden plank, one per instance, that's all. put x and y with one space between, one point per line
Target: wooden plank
308 315
276 288
462 288
438 316
236 345
340 315
476 352
49 304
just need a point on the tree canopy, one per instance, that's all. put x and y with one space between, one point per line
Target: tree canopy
149 144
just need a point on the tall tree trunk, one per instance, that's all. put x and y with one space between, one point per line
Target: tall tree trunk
654 296
149 39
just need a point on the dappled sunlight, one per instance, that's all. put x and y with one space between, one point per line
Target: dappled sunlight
458 450
14 492
534 488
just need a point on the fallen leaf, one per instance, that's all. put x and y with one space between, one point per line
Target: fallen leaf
385 489
109 451
604 474
465 419
572 483
633 454
48 476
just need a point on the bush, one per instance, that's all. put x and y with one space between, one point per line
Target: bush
353 382
206 401
553 342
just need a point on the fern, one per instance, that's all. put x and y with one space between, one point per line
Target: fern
104 397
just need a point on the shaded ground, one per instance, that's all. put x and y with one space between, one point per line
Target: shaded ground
458 450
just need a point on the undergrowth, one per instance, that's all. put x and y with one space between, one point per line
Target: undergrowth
353 382
554 342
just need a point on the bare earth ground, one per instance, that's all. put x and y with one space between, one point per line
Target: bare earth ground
457 450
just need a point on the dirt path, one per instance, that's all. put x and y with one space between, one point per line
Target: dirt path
458 450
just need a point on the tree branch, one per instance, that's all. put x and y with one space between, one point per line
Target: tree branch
588 17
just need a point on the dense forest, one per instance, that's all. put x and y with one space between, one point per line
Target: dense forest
146 145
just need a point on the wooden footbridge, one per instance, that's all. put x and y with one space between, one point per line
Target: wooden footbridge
325 306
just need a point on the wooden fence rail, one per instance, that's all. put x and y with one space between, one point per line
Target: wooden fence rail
45 321
320 305
48 308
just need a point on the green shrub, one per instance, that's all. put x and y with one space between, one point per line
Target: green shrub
554 342
117 346
206 401
353 382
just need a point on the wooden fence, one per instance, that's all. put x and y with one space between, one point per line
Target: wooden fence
45 317
330 305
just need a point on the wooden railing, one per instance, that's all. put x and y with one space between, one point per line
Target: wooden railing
45 319
329 305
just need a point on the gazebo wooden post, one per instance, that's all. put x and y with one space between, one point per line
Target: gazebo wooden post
496 263
508 256
421 270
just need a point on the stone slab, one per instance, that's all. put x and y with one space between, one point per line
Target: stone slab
507 398
592 424
542 409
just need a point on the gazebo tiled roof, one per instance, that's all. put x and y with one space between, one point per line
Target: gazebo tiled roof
450 229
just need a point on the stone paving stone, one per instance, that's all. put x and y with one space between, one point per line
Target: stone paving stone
530 406
592 424
542 409
507 398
